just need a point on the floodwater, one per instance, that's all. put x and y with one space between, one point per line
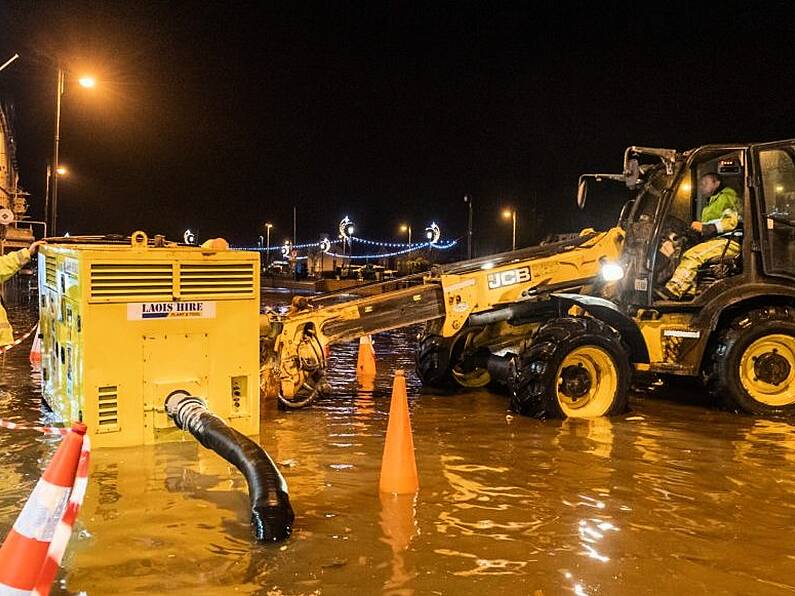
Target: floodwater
672 498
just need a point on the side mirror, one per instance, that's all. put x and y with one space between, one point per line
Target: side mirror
582 192
633 173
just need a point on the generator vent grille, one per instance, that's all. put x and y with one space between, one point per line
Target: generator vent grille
216 279
134 281
49 271
107 408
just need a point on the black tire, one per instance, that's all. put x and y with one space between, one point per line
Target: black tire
539 380
433 361
774 369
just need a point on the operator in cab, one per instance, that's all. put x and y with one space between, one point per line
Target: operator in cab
721 215
9 265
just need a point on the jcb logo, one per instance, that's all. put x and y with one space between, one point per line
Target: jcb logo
508 278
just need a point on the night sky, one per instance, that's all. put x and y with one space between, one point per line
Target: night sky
220 118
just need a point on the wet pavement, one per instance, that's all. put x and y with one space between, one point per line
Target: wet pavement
672 498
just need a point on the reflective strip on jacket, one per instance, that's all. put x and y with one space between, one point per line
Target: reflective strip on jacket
9 265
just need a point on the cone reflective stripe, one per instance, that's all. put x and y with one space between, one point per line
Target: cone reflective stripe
398 466
35 349
63 532
365 363
47 430
24 550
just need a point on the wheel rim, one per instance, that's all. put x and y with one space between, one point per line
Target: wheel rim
474 378
587 382
479 377
767 370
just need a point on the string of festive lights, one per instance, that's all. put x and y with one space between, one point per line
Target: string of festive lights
414 246
384 255
356 239
388 244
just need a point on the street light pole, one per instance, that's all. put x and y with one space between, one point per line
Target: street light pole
55 167
55 162
468 201
511 214
47 196
407 228
268 245
513 221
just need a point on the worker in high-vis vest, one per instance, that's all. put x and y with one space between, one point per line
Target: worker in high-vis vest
721 215
9 264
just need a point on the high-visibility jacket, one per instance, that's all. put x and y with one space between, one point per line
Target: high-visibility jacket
9 265
722 211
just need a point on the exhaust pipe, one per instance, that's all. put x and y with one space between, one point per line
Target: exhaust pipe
271 514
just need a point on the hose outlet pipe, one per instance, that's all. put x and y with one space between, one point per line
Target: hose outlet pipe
271 514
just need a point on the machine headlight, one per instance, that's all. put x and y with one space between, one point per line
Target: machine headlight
611 271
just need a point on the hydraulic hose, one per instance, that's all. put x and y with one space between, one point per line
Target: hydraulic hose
271 513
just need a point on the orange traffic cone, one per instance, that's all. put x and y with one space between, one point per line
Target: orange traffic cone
25 548
35 350
398 467
365 363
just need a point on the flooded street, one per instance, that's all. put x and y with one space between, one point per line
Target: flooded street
671 498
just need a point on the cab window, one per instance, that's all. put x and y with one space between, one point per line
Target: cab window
777 169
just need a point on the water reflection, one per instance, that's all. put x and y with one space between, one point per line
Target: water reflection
672 498
398 523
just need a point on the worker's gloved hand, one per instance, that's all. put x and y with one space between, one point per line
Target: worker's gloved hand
705 230
34 248
667 248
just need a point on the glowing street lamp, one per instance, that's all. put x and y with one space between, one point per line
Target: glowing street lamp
86 82
407 228
347 229
268 227
511 214
59 172
433 233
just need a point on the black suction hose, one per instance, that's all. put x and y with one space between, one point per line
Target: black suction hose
271 513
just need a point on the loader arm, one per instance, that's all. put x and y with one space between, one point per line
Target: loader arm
293 362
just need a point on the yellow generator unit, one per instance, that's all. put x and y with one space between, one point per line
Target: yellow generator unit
126 324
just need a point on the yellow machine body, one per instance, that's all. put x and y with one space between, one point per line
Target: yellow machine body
450 297
123 326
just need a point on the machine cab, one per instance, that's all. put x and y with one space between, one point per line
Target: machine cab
758 241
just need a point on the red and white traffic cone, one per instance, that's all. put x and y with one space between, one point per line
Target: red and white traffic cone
63 532
24 550
35 350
